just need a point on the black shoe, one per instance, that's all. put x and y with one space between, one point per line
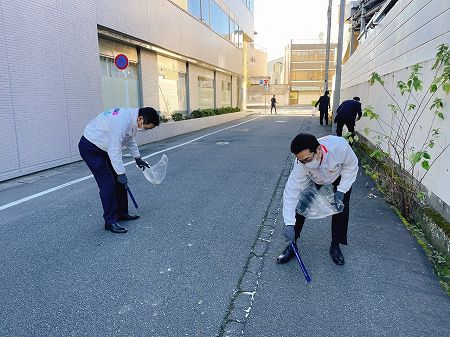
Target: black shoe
128 217
336 255
286 255
115 228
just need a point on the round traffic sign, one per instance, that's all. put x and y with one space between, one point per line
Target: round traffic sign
121 61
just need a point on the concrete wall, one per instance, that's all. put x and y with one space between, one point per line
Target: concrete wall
409 34
50 79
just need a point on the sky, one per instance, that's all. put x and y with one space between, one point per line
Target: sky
277 22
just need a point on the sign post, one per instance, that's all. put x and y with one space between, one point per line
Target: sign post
265 83
121 62
266 89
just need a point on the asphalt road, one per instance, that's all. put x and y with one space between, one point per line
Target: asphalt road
200 260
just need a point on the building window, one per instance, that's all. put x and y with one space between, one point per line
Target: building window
234 32
205 11
194 8
114 82
224 25
120 88
205 92
172 86
215 17
220 21
225 91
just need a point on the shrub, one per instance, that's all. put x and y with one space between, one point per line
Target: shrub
177 116
212 112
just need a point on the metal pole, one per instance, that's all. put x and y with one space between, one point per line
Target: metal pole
363 19
337 85
352 40
127 98
327 52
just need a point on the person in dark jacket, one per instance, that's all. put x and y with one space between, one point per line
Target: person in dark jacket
347 114
324 105
273 104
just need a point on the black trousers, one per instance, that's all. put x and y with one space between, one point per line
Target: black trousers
273 106
340 126
323 113
339 221
112 194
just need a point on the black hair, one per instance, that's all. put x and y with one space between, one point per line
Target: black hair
356 98
327 92
150 115
304 141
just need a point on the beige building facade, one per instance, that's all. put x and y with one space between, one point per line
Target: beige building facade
183 55
305 62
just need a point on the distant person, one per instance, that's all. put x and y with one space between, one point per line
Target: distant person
101 149
347 114
328 160
324 106
273 104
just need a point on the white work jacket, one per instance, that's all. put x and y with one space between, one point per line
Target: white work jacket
338 160
113 129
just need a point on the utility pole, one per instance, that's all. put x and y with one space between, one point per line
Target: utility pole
327 52
337 85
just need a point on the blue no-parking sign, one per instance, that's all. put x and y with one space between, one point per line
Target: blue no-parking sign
121 61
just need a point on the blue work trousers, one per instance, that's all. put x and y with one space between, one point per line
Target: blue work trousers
112 193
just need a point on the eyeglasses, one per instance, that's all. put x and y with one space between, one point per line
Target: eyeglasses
306 160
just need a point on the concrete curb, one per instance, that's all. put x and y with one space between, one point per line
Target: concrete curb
172 129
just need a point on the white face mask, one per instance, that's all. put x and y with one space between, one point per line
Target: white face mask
313 164
142 130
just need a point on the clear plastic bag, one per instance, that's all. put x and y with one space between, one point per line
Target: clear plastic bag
317 203
156 173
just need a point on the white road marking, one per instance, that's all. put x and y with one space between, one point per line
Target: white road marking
56 188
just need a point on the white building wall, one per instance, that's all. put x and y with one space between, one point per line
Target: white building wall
168 27
409 34
149 79
51 82
52 79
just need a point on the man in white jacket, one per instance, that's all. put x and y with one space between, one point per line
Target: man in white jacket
101 149
329 160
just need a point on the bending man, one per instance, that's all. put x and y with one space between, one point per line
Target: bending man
329 160
101 149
